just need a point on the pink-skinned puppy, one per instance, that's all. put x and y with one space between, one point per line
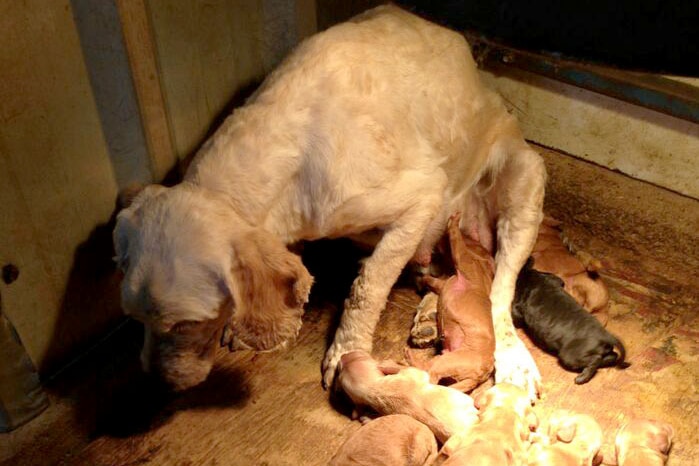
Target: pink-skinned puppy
464 319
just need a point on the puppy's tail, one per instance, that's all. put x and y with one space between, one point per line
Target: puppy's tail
621 360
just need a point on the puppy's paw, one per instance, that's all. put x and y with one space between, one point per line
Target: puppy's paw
514 364
424 331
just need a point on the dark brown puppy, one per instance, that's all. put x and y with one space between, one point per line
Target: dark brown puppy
555 321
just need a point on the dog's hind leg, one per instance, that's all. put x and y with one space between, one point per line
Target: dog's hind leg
380 271
589 372
520 194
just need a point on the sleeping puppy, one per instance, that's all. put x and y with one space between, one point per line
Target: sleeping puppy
333 144
551 255
393 440
555 321
506 419
574 439
643 442
464 321
391 389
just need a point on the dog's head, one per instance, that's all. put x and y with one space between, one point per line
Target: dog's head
191 266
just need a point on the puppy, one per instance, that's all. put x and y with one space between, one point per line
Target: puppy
554 320
551 255
574 439
331 145
643 442
464 321
506 419
389 389
393 440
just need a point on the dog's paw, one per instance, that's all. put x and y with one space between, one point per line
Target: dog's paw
514 364
331 362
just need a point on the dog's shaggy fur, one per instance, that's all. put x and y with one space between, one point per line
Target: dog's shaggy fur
333 144
559 324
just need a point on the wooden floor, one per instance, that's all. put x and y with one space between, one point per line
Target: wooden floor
270 409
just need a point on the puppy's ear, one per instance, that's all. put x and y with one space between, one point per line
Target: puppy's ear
566 432
270 286
660 438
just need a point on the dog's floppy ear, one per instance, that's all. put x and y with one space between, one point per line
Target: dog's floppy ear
270 286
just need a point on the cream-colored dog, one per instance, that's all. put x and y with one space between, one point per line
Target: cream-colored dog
380 124
643 442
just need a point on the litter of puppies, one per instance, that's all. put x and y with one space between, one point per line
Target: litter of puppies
499 427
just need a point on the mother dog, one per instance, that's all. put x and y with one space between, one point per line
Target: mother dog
377 124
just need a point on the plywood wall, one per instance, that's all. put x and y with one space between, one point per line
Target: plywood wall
212 54
95 96
57 183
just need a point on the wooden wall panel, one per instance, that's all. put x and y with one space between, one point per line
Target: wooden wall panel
56 180
211 54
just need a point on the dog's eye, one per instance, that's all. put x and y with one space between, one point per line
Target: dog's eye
185 327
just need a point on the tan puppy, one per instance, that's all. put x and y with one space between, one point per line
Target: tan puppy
394 440
574 439
506 419
391 389
464 320
643 442
552 256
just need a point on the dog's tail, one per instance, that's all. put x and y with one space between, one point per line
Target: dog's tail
621 360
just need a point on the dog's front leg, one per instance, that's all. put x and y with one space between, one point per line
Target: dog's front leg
370 289
520 196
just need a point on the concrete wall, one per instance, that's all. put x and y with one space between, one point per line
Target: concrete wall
644 144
